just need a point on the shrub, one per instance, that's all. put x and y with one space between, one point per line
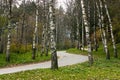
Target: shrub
20 48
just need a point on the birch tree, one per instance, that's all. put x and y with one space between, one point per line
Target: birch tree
104 32
90 57
99 23
54 61
44 29
23 23
94 21
47 29
77 8
83 37
9 31
111 29
35 32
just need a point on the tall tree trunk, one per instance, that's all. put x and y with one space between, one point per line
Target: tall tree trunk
99 23
78 35
95 40
78 28
104 31
47 29
111 29
90 57
54 61
48 32
23 24
44 30
1 41
35 32
9 32
89 20
83 37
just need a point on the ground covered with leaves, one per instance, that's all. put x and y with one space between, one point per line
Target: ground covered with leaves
102 69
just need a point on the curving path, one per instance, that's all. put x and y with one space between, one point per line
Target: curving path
64 60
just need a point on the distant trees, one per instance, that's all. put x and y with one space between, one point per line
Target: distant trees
96 19
41 26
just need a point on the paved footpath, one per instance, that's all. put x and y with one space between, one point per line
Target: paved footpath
64 60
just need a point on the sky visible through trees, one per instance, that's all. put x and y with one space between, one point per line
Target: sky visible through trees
59 3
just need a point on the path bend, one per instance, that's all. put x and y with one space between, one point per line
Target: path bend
65 59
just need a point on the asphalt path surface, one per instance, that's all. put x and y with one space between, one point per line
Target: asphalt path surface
65 59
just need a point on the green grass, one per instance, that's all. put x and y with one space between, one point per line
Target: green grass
76 51
102 69
21 58
97 54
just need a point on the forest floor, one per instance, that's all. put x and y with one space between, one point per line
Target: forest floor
102 69
64 60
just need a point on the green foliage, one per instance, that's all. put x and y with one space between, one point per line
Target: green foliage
97 54
20 48
3 21
66 45
116 30
20 59
114 9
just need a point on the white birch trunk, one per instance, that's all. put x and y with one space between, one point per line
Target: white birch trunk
99 23
90 57
104 32
54 61
8 47
9 32
111 29
35 31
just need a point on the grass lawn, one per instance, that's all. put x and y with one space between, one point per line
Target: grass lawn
102 69
21 58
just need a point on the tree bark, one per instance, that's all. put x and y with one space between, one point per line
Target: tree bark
111 29
78 28
99 23
23 24
83 37
9 32
90 57
95 40
104 32
35 32
44 30
54 61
